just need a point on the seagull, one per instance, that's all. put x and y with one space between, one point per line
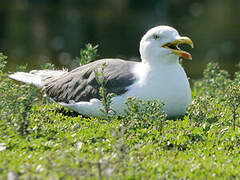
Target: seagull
158 76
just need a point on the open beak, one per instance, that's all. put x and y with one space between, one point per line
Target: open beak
173 46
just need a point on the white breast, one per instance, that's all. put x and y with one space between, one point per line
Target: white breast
168 84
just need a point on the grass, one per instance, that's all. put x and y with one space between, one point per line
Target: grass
41 141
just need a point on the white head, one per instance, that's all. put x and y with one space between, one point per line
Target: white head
161 43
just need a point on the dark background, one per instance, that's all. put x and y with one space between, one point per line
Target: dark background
34 32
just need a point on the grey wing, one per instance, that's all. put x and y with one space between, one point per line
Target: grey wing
81 84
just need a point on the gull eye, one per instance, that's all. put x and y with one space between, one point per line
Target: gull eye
156 36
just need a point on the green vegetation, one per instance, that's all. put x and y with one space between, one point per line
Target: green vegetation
40 142
88 55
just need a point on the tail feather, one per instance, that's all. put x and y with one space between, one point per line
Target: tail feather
27 78
35 77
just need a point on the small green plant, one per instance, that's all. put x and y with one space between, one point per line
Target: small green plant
87 55
16 104
49 66
26 102
3 62
206 109
214 82
144 114
16 101
215 96
106 98
232 97
22 68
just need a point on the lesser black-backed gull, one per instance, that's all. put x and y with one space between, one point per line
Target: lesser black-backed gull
158 76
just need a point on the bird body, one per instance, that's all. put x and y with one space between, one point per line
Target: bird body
158 76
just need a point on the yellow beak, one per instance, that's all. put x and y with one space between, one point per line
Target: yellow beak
173 46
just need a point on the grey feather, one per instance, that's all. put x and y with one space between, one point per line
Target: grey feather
81 84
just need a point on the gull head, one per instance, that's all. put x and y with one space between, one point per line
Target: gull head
161 43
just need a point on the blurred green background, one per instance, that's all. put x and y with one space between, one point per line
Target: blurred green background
35 32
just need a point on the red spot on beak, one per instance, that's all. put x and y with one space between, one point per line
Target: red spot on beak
186 55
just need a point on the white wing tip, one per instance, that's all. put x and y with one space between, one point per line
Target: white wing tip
27 78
